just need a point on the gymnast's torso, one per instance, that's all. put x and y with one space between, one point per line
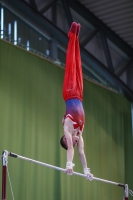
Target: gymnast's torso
75 112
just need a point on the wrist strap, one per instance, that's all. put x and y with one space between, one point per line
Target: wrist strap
69 165
87 171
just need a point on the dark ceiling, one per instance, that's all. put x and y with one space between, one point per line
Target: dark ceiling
118 15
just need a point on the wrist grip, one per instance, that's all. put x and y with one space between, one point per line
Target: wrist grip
69 165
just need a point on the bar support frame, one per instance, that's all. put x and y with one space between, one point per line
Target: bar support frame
5 155
4 170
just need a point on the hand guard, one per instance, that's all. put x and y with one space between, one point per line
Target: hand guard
69 165
69 168
89 176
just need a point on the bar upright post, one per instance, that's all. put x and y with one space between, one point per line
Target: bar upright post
126 192
4 169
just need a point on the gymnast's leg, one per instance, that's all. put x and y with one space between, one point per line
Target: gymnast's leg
70 80
79 76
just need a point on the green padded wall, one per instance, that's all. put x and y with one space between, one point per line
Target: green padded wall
31 111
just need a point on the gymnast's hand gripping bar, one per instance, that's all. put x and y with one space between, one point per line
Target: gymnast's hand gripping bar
5 155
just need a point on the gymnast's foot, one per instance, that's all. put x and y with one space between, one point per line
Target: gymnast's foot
78 29
74 27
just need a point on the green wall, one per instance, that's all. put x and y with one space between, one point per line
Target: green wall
31 110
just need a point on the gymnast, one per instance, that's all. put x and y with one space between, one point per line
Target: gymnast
74 118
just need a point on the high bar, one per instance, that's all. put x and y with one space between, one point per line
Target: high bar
62 169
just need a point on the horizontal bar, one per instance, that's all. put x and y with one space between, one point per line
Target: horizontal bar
61 169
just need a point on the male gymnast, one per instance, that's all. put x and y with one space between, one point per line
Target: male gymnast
74 118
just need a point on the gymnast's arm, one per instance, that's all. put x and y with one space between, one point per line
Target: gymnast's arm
81 152
82 156
70 151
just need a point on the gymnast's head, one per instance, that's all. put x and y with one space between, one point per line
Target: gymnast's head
63 141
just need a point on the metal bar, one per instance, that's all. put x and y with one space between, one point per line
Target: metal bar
63 170
126 192
4 169
49 5
53 49
54 14
123 67
89 36
67 12
106 51
3 182
129 73
33 4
